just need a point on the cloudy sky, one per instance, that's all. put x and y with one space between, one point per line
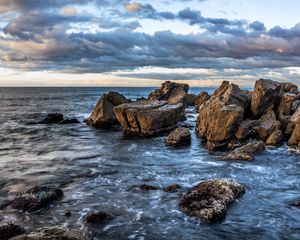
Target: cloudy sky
143 42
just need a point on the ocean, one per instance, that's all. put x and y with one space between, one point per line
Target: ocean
97 168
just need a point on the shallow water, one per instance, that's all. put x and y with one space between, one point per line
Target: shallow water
97 169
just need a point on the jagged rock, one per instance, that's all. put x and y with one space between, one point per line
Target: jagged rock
275 138
295 137
209 200
171 91
220 116
296 116
190 99
103 115
172 188
201 98
247 128
179 137
56 233
10 230
246 152
288 88
98 217
286 102
264 97
52 118
269 124
36 198
149 118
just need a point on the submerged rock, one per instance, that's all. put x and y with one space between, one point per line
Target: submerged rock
149 118
103 115
98 217
172 188
10 230
70 121
296 204
56 233
148 187
36 198
246 152
179 137
171 92
209 200
52 118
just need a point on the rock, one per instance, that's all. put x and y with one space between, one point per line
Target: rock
171 91
247 128
146 187
56 233
296 116
295 137
149 118
10 230
288 88
269 124
190 99
246 152
286 102
209 200
275 138
201 98
179 137
103 115
70 121
264 96
98 217
172 188
36 198
52 118
296 204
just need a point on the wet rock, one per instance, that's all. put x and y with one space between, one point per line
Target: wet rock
296 204
209 200
36 198
149 118
246 152
172 188
98 217
247 128
275 138
52 118
269 124
10 230
179 137
146 187
68 214
103 115
264 97
57 233
171 92
201 98
70 121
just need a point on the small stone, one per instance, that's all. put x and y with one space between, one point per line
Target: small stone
148 187
172 188
98 217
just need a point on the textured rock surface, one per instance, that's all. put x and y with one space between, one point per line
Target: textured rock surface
171 92
269 124
190 99
103 115
55 233
9 230
275 138
201 98
172 188
179 137
210 199
149 118
246 152
247 128
36 198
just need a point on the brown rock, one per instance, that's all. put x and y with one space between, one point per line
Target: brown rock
246 152
98 217
269 124
288 88
286 102
264 96
247 128
209 200
275 138
201 98
103 115
149 118
295 137
172 188
10 230
190 99
179 137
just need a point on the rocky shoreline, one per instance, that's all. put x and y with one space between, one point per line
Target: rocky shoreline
240 123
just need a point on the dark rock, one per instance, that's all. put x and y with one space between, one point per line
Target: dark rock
246 152
149 118
172 92
264 97
269 124
103 115
10 230
68 214
172 188
296 204
52 118
209 200
70 121
98 217
190 99
288 88
36 198
247 128
275 138
56 233
148 187
179 137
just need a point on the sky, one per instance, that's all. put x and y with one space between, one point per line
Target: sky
143 42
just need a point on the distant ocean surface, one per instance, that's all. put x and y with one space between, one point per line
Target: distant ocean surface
97 169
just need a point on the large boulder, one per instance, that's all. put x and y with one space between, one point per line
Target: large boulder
179 137
246 152
10 230
103 115
220 116
36 198
269 124
209 200
56 233
265 96
201 98
171 92
149 118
